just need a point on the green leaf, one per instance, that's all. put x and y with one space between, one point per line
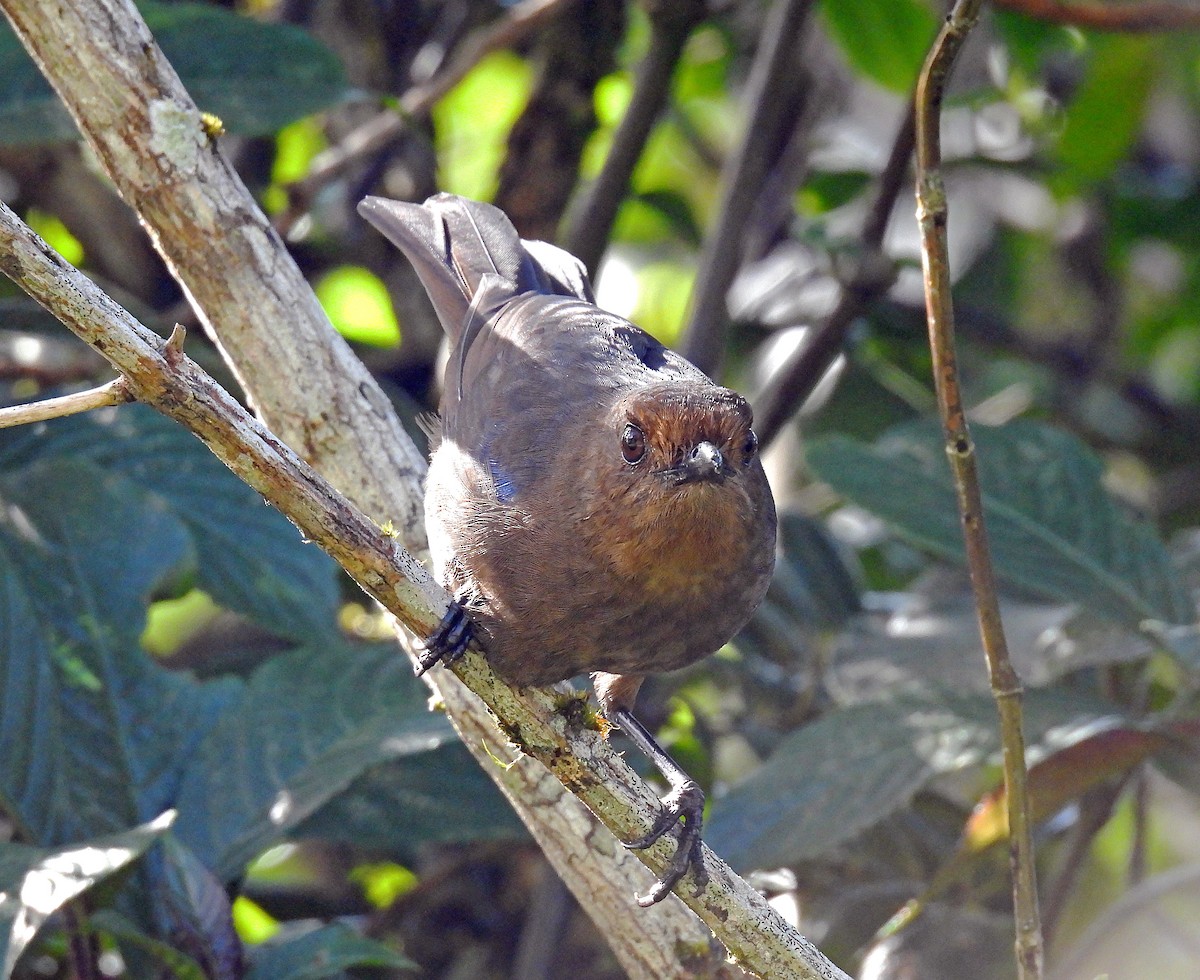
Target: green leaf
35 882
97 727
131 937
1105 116
1052 526
307 724
321 953
442 796
846 771
247 556
256 76
885 40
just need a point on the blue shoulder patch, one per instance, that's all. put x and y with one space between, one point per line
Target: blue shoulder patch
506 489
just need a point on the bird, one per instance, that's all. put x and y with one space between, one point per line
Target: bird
595 503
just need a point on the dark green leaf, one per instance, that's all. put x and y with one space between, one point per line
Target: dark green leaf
247 556
844 772
1052 526
35 882
257 77
307 724
80 552
136 943
322 953
886 40
440 795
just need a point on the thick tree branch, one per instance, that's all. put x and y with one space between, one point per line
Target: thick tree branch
158 373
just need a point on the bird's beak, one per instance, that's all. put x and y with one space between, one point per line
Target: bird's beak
704 462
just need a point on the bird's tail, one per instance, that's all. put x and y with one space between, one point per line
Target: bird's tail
453 243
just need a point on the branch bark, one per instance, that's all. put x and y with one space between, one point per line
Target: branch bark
932 213
147 133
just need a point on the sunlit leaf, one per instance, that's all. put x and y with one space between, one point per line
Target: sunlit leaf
358 306
35 882
885 40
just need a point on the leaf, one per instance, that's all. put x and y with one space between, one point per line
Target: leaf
247 556
441 795
1053 528
134 943
1105 116
35 882
256 76
321 953
885 40
97 728
841 774
306 725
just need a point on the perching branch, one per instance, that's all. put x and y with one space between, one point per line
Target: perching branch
1006 685
591 219
703 340
160 374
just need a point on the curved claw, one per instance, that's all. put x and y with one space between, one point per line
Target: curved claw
449 641
685 806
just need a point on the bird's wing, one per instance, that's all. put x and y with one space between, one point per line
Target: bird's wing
453 243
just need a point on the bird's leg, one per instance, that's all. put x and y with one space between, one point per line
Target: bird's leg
449 641
684 804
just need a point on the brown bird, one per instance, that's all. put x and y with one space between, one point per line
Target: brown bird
595 503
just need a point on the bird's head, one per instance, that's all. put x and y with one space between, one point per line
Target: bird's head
680 438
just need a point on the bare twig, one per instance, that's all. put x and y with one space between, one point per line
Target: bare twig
1135 17
158 373
375 135
113 393
795 379
1006 685
590 221
703 340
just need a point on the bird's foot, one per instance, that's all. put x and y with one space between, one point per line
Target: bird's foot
449 641
684 805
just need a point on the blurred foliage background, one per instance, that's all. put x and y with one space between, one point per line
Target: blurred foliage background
167 641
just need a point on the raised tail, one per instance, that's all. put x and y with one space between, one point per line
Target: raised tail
454 242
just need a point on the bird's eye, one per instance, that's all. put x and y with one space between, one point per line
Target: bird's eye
750 447
633 443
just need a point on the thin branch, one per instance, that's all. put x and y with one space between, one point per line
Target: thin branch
590 221
703 340
932 213
114 393
1139 16
160 374
796 378
373 136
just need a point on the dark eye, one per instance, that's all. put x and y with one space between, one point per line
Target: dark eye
750 447
633 444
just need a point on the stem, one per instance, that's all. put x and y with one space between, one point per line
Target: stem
591 221
703 341
796 377
1006 685
113 393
